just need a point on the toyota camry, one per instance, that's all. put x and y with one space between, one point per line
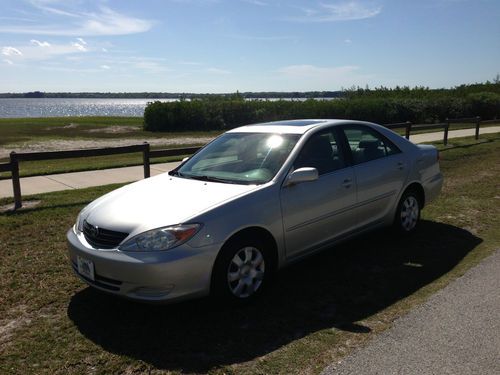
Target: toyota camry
250 202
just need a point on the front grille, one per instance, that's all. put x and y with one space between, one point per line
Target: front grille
101 238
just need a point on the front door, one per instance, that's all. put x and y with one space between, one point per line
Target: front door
318 211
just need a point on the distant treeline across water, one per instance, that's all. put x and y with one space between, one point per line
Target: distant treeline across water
62 107
168 95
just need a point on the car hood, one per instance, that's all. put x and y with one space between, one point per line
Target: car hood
159 201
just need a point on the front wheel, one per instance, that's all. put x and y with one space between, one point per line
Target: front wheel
408 213
241 271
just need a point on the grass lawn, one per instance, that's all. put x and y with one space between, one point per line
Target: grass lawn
316 312
26 131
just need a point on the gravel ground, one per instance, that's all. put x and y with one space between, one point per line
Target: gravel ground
457 331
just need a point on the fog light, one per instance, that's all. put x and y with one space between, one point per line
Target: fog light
148 292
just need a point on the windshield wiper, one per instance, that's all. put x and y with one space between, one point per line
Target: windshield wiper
175 173
210 178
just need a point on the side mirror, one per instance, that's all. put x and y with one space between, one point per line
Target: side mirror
306 174
186 158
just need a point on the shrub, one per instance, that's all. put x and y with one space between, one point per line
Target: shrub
215 113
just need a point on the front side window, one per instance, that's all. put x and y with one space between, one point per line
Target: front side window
242 158
321 152
367 144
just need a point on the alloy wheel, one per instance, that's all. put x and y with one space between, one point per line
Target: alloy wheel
246 272
409 213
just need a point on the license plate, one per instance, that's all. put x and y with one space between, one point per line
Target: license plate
86 268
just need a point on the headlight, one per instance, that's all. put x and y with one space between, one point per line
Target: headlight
79 223
162 238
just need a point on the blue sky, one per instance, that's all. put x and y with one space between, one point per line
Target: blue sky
245 45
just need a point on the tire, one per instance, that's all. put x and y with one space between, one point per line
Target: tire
242 270
408 213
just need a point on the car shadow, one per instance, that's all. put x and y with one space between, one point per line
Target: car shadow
335 288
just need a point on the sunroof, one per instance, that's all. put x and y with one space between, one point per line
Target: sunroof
292 123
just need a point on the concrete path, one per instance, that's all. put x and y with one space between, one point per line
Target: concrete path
438 136
457 331
79 180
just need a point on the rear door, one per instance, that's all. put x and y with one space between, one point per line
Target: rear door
380 170
316 212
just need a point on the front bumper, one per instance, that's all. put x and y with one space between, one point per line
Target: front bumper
180 273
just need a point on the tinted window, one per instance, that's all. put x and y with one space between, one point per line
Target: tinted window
321 152
367 144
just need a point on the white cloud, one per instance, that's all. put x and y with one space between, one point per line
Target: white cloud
263 38
339 11
257 2
105 21
7 61
190 63
11 51
307 77
145 64
82 41
35 51
79 46
39 44
104 49
217 71
312 70
105 67
347 41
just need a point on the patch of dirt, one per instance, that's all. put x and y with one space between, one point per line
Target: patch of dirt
20 316
71 125
26 206
115 129
62 144
8 326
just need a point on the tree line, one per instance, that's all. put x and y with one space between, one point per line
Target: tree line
380 105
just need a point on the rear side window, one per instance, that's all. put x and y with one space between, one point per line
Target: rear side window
367 144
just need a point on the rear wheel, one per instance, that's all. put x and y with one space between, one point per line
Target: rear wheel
408 212
242 270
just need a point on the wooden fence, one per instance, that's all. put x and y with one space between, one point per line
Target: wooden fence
147 154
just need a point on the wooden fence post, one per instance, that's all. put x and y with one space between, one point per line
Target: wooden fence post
145 160
446 129
16 183
478 122
408 129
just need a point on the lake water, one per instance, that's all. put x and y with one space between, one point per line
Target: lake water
45 107
56 107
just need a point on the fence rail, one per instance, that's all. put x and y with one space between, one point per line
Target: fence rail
148 154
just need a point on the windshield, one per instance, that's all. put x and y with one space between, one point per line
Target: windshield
241 158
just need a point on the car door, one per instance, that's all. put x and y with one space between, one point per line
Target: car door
380 170
316 212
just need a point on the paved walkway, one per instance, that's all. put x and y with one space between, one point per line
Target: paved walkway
79 180
457 331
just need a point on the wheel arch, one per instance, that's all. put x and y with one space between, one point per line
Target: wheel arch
249 233
253 232
417 188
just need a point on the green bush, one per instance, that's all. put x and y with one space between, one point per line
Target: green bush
215 113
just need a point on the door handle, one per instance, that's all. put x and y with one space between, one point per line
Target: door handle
401 165
347 183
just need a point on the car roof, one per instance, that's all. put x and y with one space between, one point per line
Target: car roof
290 126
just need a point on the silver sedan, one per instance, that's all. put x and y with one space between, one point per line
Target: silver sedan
252 201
